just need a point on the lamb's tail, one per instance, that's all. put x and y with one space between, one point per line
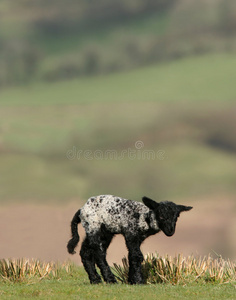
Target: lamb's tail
73 242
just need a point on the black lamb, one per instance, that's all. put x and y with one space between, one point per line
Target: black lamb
104 216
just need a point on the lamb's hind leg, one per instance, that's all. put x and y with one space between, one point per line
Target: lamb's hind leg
135 260
88 259
101 243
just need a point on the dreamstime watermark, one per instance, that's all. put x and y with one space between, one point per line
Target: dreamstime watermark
138 152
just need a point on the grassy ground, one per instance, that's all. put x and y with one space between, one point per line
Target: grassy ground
78 287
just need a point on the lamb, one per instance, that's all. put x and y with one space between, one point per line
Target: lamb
104 216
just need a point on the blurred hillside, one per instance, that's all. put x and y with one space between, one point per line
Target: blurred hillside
79 78
47 129
50 40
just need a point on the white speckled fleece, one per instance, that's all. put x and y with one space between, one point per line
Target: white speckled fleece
117 215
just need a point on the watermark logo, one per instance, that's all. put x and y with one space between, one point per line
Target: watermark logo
137 153
139 145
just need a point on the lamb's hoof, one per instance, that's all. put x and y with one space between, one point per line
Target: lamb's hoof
137 281
112 281
96 281
132 283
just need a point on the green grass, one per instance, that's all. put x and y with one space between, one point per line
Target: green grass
69 282
187 278
72 289
77 286
208 78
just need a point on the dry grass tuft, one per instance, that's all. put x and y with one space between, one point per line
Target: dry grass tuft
176 270
18 270
181 270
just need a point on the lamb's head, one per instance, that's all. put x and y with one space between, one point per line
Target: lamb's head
166 214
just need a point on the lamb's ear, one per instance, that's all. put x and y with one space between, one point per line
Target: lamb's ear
184 208
150 203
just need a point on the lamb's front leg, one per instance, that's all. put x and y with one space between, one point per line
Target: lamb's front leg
135 257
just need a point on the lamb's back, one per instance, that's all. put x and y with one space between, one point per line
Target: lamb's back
115 213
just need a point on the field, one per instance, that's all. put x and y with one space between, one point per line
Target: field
41 123
128 99
69 281
195 79
43 231
79 288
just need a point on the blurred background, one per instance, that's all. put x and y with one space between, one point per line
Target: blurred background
81 78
